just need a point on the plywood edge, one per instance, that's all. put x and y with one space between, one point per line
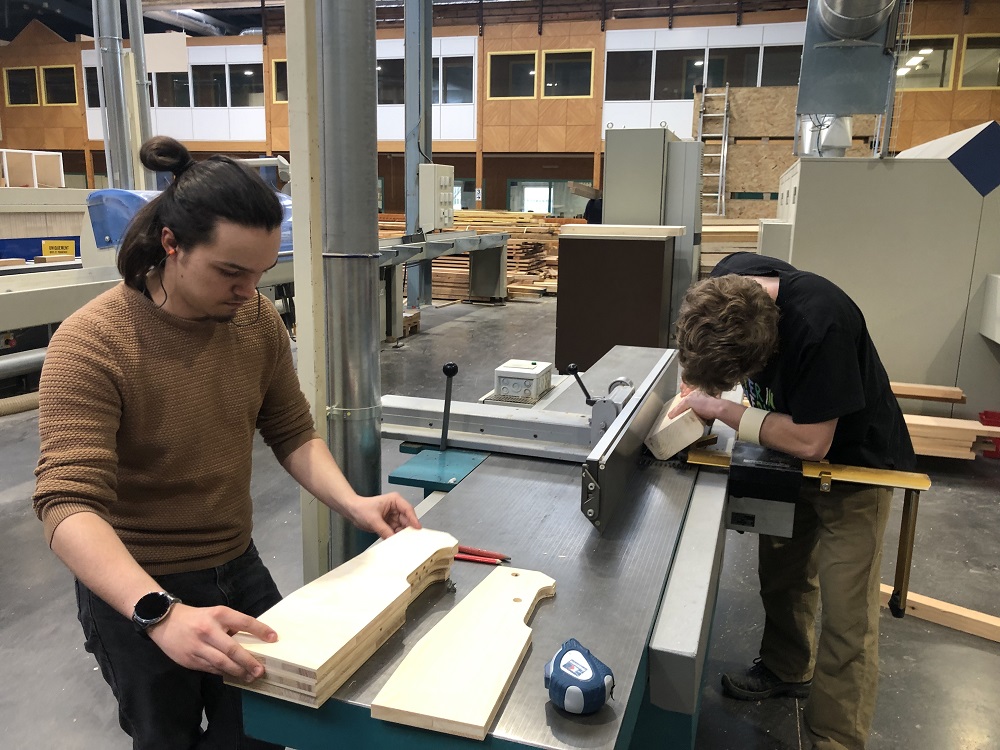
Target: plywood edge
670 435
950 615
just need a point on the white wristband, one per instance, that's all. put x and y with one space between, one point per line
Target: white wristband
750 424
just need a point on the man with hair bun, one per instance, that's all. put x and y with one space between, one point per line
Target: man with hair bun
148 403
800 348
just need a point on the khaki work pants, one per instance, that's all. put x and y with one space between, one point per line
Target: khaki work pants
834 555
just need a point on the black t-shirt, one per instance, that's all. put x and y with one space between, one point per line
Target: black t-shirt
826 367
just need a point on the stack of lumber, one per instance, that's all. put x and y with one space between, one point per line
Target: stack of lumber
333 625
720 240
949 438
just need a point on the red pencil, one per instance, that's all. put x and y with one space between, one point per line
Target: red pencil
482 553
478 559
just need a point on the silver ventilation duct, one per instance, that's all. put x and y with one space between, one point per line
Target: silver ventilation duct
854 19
192 20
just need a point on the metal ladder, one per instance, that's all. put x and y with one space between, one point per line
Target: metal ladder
713 164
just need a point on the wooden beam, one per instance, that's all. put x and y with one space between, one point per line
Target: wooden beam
950 615
943 393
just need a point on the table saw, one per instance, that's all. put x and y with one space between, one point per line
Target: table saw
634 545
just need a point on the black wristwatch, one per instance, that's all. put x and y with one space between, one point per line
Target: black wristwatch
151 609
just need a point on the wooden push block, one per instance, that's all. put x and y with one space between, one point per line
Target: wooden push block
671 435
331 626
455 678
54 258
5 262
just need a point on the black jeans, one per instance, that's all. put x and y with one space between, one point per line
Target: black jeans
160 703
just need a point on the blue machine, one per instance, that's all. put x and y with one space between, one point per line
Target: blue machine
111 210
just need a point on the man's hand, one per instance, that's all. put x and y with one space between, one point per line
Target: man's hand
201 638
383 514
706 407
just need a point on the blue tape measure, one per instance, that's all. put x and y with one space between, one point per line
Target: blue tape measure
578 682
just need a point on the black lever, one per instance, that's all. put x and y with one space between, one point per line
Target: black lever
450 370
575 372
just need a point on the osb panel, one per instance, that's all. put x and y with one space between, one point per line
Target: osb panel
551 138
761 112
581 112
524 112
552 112
522 138
496 138
859 150
755 167
971 105
933 105
741 209
928 130
496 113
581 138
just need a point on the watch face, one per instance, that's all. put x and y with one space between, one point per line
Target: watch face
152 606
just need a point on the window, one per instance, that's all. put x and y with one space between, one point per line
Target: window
173 90
678 71
281 80
456 80
568 73
512 76
390 81
246 84
464 193
59 84
981 62
627 76
545 196
781 66
209 85
737 66
929 64
92 87
22 86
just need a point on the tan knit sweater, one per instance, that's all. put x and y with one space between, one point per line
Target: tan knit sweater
148 420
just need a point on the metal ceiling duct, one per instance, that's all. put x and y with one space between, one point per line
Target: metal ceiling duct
192 20
854 19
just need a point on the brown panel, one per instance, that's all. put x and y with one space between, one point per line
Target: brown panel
928 130
496 138
524 138
971 105
551 138
581 28
903 136
984 10
524 112
524 30
746 209
995 108
756 166
279 116
945 11
981 26
581 138
53 139
907 106
502 45
496 31
552 112
280 140
933 105
446 147
581 112
496 113
497 169
959 125
762 112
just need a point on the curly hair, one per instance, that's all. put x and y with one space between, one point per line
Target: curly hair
727 331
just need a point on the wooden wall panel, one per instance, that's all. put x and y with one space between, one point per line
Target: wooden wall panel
498 169
756 166
744 209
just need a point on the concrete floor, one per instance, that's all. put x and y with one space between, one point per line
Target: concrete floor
938 687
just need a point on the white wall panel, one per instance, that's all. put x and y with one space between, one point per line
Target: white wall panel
676 115
210 124
389 47
735 36
89 57
247 124
457 46
458 122
391 122
618 115
206 55
95 125
630 39
174 121
681 38
785 33
245 53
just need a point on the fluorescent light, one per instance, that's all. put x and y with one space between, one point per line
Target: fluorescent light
914 61
902 71
248 72
699 63
531 72
926 51
378 67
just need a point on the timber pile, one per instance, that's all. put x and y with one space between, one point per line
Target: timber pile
720 240
330 627
949 438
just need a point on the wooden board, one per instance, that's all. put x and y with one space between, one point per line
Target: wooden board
329 627
53 258
455 678
950 615
919 424
943 393
5 262
669 435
